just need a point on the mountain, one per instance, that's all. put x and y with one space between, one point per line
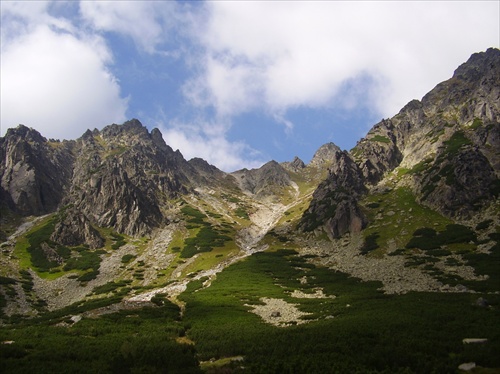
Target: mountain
116 222
120 177
448 146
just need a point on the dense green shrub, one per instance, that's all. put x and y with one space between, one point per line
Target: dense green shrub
127 258
7 280
370 243
86 277
426 238
483 225
455 233
87 260
197 216
205 240
36 239
138 341
370 332
456 141
119 240
109 287
487 264
380 138
421 167
63 251
377 333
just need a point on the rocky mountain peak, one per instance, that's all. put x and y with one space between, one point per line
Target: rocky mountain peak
446 141
125 210
22 132
479 65
264 180
123 175
34 173
130 128
325 154
296 165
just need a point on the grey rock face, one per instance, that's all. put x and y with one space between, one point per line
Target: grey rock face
119 177
263 181
122 176
324 155
295 166
75 229
335 201
34 173
378 153
458 185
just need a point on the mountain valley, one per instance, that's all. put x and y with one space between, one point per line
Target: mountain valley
382 258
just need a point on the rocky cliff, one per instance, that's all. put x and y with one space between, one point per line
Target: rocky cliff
121 177
334 205
34 173
264 180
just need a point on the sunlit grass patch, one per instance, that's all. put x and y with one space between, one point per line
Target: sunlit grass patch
208 260
395 215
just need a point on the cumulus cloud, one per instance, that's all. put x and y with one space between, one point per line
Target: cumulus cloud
281 55
148 23
54 78
208 141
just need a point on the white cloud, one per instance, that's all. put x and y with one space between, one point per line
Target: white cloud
281 55
53 78
146 22
208 141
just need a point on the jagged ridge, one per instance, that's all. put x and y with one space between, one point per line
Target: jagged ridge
448 143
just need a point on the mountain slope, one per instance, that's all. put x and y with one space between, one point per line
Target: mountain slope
447 144
119 204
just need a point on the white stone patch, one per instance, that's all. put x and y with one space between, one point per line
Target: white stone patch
279 313
474 340
318 294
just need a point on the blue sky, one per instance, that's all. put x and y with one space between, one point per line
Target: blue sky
237 83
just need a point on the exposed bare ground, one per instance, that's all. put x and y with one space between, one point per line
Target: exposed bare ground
344 255
265 216
279 313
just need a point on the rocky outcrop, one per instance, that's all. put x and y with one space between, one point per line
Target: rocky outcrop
34 173
123 175
472 92
457 183
120 177
378 153
263 181
74 228
295 166
335 202
203 174
325 155
459 174
446 147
